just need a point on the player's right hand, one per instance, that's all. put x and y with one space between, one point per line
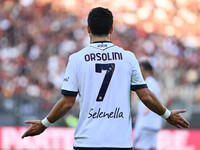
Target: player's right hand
36 128
176 119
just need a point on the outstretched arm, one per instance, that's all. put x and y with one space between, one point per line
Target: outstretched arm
152 102
58 111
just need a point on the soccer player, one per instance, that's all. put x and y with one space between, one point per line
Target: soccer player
148 123
103 75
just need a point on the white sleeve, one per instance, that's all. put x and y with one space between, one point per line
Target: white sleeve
137 80
69 86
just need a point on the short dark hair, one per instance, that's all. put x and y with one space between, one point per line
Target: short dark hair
100 21
146 65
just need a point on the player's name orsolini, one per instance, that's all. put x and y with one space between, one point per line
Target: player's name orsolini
103 56
102 114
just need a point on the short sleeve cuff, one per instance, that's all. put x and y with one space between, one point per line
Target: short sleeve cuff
137 87
68 93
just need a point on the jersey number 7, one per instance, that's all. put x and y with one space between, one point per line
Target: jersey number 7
106 81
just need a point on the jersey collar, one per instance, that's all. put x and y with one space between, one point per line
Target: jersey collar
101 45
101 42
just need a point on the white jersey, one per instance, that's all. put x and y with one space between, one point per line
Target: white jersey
103 75
151 120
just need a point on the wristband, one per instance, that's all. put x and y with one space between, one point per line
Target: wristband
166 114
46 122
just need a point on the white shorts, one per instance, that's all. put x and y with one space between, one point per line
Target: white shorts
145 139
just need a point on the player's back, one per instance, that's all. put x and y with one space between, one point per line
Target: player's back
103 74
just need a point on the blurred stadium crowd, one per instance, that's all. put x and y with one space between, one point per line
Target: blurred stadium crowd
36 38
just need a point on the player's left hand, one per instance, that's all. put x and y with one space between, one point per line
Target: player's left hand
36 128
176 119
